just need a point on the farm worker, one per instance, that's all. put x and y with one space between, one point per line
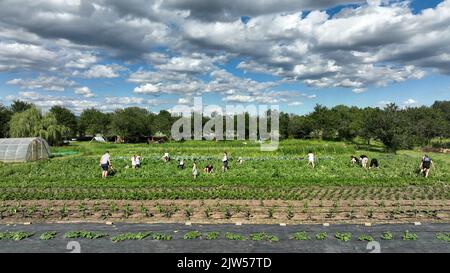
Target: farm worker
194 170
225 162
425 165
353 160
181 164
136 161
373 163
166 157
240 160
364 161
105 162
208 169
311 159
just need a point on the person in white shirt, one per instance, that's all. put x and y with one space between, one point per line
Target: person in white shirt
225 162
240 160
194 170
166 157
136 161
105 163
181 164
364 161
311 159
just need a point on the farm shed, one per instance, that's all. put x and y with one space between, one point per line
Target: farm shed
23 149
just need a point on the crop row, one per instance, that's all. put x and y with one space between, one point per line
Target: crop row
221 192
212 235
305 211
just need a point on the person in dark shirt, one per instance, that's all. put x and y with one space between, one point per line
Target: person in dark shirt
425 165
373 163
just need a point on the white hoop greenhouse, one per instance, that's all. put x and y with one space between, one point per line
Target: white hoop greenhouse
23 149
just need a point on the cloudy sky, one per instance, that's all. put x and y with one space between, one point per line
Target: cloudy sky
112 54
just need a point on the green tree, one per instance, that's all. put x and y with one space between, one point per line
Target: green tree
66 118
93 122
392 128
5 117
324 122
163 122
284 125
131 123
300 126
19 106
31 123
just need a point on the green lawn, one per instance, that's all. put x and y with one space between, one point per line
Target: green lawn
268 175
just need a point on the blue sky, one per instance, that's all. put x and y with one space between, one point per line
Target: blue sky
294 54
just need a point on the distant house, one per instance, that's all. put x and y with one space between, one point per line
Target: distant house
23 149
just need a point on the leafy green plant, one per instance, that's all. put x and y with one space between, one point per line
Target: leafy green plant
212 235
161 236
443 237
301 236
113 207
64 211
270 213
207 212
247 213
343 236
130 236
168 211
188 212
234 236
260 236
289 213
49 235
409 236
82 234
387 235
321 236
192 235
127 211
15 235
83 210
227 212
367 238
145 211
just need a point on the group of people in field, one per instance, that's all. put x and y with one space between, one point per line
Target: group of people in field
363 161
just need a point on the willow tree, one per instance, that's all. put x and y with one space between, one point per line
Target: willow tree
31 123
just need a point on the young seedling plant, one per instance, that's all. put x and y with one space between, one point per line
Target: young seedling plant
192 235
84 235
443 237
212 235
321 236
367 238
260 236
301 236
344 236
15 236
234 236
130 236
49 235
387 236
409 236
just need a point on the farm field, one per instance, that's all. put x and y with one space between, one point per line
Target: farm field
268 187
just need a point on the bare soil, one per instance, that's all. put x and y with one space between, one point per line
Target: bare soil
225 211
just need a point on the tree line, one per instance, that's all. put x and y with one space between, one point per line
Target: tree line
397 128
